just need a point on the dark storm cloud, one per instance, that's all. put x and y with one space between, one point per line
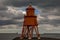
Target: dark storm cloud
3 8
52 18
19 3
10 18
10 15
19 17
41 3
3 14
54 22
2 5
58 12
7 22
50 4
50 11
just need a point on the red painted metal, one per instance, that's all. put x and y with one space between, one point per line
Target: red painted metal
30 24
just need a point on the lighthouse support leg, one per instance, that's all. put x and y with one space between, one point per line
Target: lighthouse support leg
30 32
24 29
37 32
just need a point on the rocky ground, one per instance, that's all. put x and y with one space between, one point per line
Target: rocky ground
42 38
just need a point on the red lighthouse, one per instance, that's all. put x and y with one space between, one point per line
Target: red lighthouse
30 24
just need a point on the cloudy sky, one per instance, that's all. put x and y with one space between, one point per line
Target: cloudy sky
12 15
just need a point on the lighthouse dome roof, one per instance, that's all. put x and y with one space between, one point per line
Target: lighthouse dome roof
30 7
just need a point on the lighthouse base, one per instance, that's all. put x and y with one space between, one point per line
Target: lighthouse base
18 38
35 38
